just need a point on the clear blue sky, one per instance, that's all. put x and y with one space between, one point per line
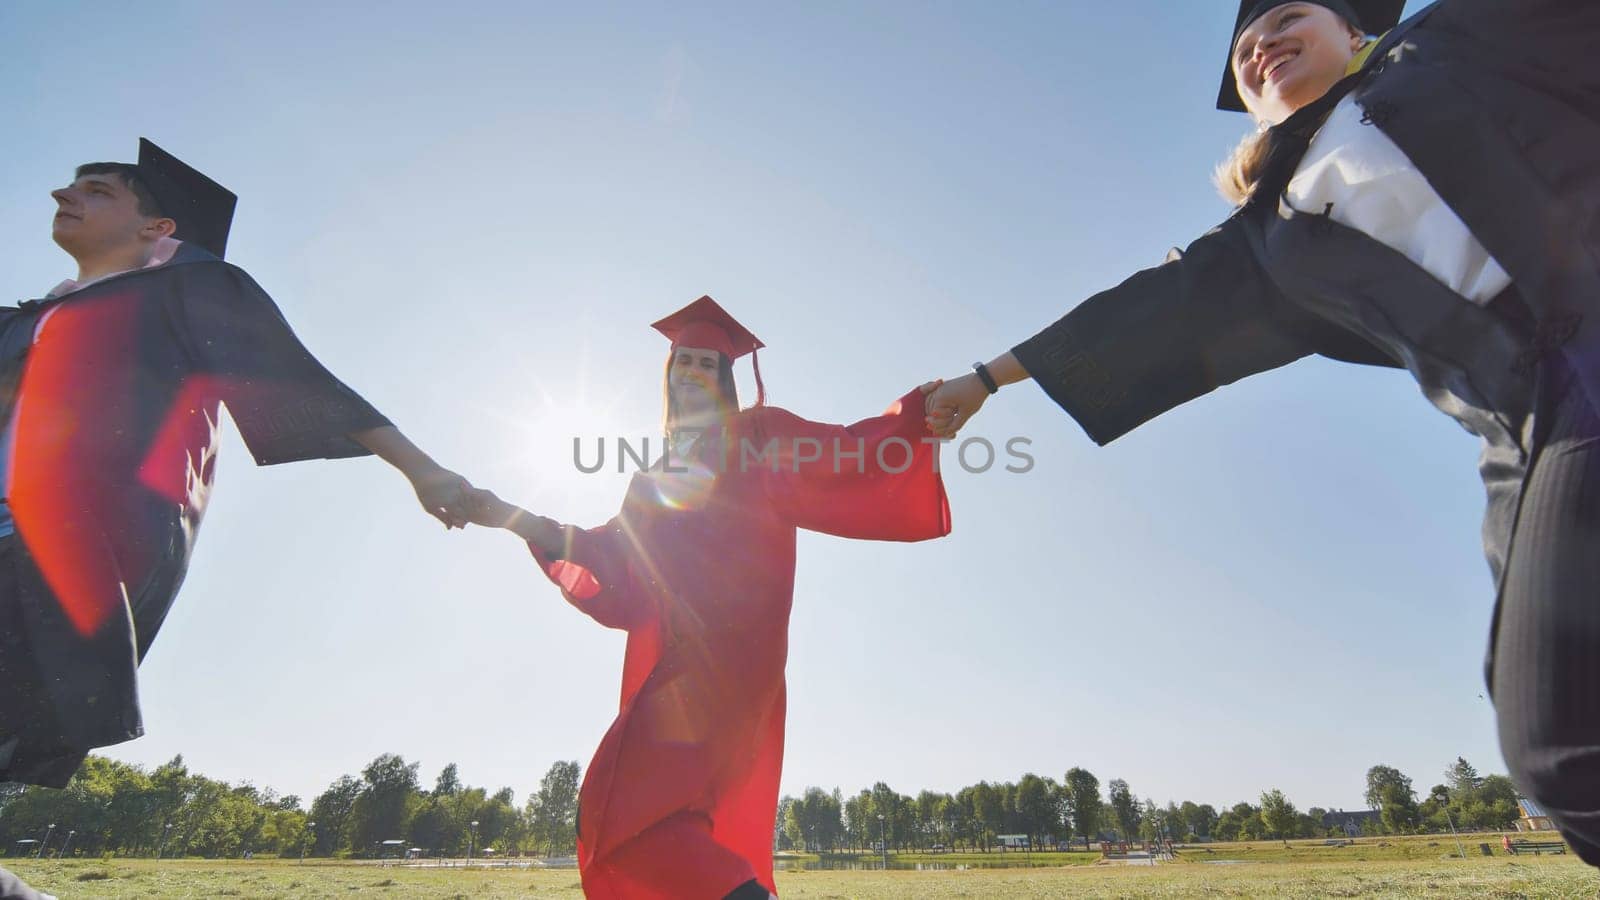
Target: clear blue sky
471 212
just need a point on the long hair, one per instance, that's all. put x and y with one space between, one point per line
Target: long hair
727 392
1237 176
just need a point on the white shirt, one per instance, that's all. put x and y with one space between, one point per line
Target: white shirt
1374 188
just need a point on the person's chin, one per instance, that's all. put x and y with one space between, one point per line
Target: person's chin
1296 91
697 411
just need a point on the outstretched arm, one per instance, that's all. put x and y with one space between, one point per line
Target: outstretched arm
592 567
954 402
877 479
445 495
1207 317
488 510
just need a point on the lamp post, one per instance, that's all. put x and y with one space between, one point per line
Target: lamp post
160 846
1443 797
883 839
472 837
39 854
311 834
66 843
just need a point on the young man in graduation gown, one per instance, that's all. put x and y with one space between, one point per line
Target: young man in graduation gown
109 394
1428 199
698 568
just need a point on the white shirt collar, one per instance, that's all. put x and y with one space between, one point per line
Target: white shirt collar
164 250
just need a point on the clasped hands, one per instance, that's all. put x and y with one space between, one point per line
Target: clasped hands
951 404
454 501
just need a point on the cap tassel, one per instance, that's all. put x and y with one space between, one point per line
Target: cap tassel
761 389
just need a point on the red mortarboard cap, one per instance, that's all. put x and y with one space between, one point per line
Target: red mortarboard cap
704 323
202 208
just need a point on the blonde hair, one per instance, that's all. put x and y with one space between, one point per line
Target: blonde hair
1236 177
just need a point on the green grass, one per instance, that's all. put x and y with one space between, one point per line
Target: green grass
996 859
1373 849
1300 879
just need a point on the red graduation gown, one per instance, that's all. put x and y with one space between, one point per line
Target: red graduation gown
703 586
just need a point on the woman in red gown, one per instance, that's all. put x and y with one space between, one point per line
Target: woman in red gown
698 567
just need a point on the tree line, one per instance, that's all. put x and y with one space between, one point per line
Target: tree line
1051 813
113 808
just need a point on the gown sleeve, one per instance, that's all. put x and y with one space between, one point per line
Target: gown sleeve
1208 317
288 407
876 480
596 573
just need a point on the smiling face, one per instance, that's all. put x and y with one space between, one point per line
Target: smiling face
692 379
1290 56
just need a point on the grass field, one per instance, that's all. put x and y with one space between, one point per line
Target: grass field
1405 868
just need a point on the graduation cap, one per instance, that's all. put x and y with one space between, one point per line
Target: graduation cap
1371 16
705 324
202 208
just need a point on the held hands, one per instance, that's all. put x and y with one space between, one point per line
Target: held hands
953 404
444 495
490 511
486 509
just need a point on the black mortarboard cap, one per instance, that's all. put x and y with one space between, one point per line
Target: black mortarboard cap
1371 16
202 208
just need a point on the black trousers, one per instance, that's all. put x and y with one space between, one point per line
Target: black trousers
33 747
1545 674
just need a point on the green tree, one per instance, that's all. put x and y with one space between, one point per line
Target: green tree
1227 826
1124 808
1380 777
815 821
1463 780
1150 821
1250 826
389 798
553 810
1278 815
1398 809
1038 808
331 811
1083 804
989 814
895 812
858 819
1199 819
964 818
448 783
782 839
1497 800
930 818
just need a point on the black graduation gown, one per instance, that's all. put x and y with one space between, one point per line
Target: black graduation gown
115 413
1498 105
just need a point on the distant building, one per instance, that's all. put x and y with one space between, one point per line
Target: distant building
1350 822
1534 818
